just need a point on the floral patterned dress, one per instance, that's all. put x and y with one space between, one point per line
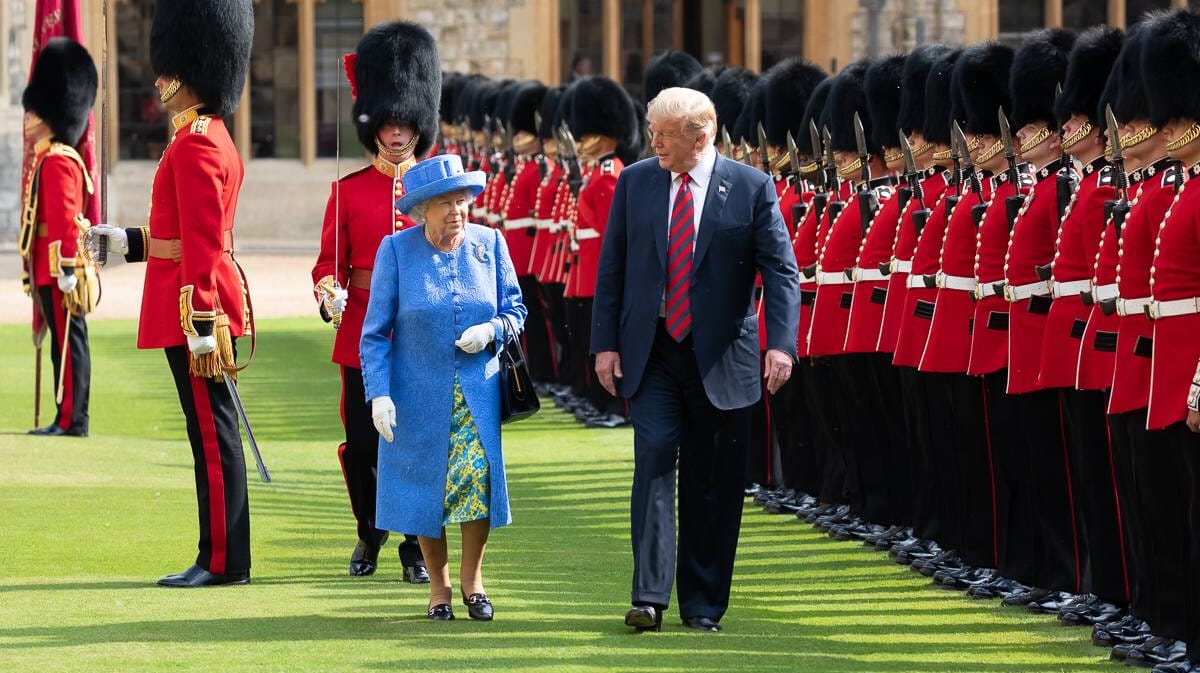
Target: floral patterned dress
467 494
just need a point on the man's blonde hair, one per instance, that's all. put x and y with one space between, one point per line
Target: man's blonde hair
690 107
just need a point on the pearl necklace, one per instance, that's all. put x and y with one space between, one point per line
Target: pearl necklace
455 246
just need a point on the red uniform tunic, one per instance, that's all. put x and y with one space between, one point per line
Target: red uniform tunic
920 300
835 288
870 283
1174 276
1074 258
1031 244
1135 333
61 201
564 216
948 348
543 220
193 202
1097 352
519 229
804 245
360 213
595 200
989 335
933 184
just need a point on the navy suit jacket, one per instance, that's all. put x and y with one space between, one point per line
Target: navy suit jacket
741 233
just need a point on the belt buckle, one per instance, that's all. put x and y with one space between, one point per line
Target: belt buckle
1151 310
940 280
1009 295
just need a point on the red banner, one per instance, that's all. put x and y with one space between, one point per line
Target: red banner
63 18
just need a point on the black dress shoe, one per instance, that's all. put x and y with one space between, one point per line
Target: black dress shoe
607 421
1129 630
1090 612
702 624
442 612
478 607
1050 604
196 577
1185 666
1167 651
364 560
995 587
53 430
414 564
752 489
644 618
963 578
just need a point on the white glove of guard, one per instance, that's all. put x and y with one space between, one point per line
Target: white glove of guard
202 345
118 241
334 301
67 283
383 414
476 337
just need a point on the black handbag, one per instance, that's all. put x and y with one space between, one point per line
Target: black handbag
518 400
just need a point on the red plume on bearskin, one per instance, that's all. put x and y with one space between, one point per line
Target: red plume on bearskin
348 62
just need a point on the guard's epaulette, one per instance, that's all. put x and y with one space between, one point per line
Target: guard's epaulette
608 167
1108 176
65 150
200 126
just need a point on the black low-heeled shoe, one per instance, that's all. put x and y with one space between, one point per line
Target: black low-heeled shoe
479 607
442 612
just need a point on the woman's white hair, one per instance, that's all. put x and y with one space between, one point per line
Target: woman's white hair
690 107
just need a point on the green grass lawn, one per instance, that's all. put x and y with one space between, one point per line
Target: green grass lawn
86 526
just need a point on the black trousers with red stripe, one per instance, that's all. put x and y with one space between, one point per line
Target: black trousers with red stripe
920 437
1058 550
1186 444
1130 446
762 460
1096 512
220 467
797 462
537 336
359 457
1016 516
820 396
583 378
556 307
72 413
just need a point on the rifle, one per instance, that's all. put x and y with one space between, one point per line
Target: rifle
968 166
820 186
1065 180
575 184
799 209
1118 209
1014 203
868 202
921 215
831 177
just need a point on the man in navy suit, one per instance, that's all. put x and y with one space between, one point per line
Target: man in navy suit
675 331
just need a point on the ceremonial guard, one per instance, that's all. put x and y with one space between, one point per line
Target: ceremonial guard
395 80
63 284
924 187
729 94
604 120
1096 563
196 302
545 240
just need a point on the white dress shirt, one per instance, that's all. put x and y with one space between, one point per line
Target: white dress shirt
700 177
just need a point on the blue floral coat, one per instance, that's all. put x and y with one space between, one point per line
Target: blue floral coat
422 300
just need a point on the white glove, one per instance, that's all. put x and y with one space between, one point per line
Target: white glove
476 337
383 414
334 301
118 240
67 283
202 345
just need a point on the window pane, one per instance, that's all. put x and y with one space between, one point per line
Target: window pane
1020 17
782 31
580 35
274 81
143 119
339 27
1081 14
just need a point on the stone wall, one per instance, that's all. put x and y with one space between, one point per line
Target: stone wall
472 35
14 45
900 25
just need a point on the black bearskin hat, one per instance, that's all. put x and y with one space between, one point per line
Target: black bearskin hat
486 108
703 81
847 97
62 89
789 88
729 94
1092 59
753 113
939 99
1131 102
668 69
883 84
398 76
549 112
1039 66
468 96
813 112
599 106
1170 66
525 102
205 44
452 83
981 79
502 112
912 86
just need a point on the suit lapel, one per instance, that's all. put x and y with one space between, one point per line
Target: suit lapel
660 193
714 204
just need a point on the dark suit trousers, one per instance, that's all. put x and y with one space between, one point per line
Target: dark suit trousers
675 425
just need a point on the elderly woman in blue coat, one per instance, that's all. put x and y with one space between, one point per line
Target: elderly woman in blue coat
439 296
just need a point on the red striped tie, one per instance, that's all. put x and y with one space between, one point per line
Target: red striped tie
679 261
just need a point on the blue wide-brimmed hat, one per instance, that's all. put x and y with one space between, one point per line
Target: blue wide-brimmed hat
437 175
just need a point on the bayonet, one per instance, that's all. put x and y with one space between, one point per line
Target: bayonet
1065 180
793 154
764 153
860 137
745 152
814 139
867 201
1014 203
726 143
910 171
968 162
831 174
